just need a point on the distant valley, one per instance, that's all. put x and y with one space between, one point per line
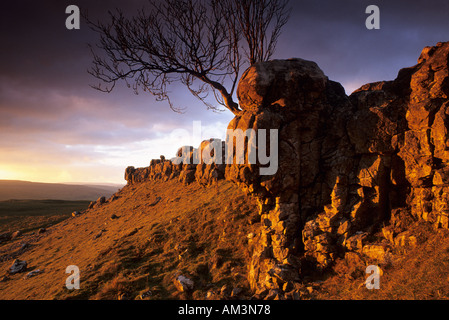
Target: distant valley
20 190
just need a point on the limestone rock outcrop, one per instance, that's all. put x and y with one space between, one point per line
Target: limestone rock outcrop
345 165
204 165
315 159
398 131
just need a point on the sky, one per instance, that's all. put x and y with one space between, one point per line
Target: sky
55 128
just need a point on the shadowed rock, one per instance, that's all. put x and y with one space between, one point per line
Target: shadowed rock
18 266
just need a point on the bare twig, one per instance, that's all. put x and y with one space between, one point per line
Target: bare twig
196 42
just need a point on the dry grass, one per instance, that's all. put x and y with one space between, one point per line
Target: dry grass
30 215
414 273
198 232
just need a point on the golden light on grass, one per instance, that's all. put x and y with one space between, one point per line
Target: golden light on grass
201 233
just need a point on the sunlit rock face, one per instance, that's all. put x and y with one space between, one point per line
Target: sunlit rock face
345 163
407 126
315 159
345 166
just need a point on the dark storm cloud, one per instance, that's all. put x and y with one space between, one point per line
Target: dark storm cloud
333 34
43 68
37 46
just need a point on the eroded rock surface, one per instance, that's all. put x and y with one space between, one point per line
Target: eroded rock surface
346 165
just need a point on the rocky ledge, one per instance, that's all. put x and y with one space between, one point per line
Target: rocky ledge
348 165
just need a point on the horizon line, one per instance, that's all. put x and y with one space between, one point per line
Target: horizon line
66 183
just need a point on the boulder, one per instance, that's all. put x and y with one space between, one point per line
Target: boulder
129 173
187 176
406 239
18 266
356 242
32 274
101 201
16 234
379 254
183 284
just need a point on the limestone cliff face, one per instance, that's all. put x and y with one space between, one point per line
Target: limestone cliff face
315 156
406 127
346 165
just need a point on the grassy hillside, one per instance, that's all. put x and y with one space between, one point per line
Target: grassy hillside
28 215
159 230
140 240
12 189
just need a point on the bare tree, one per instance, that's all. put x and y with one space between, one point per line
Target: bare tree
201 43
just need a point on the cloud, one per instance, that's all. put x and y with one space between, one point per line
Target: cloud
53 125
87 138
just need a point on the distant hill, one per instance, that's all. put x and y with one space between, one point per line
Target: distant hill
14 189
